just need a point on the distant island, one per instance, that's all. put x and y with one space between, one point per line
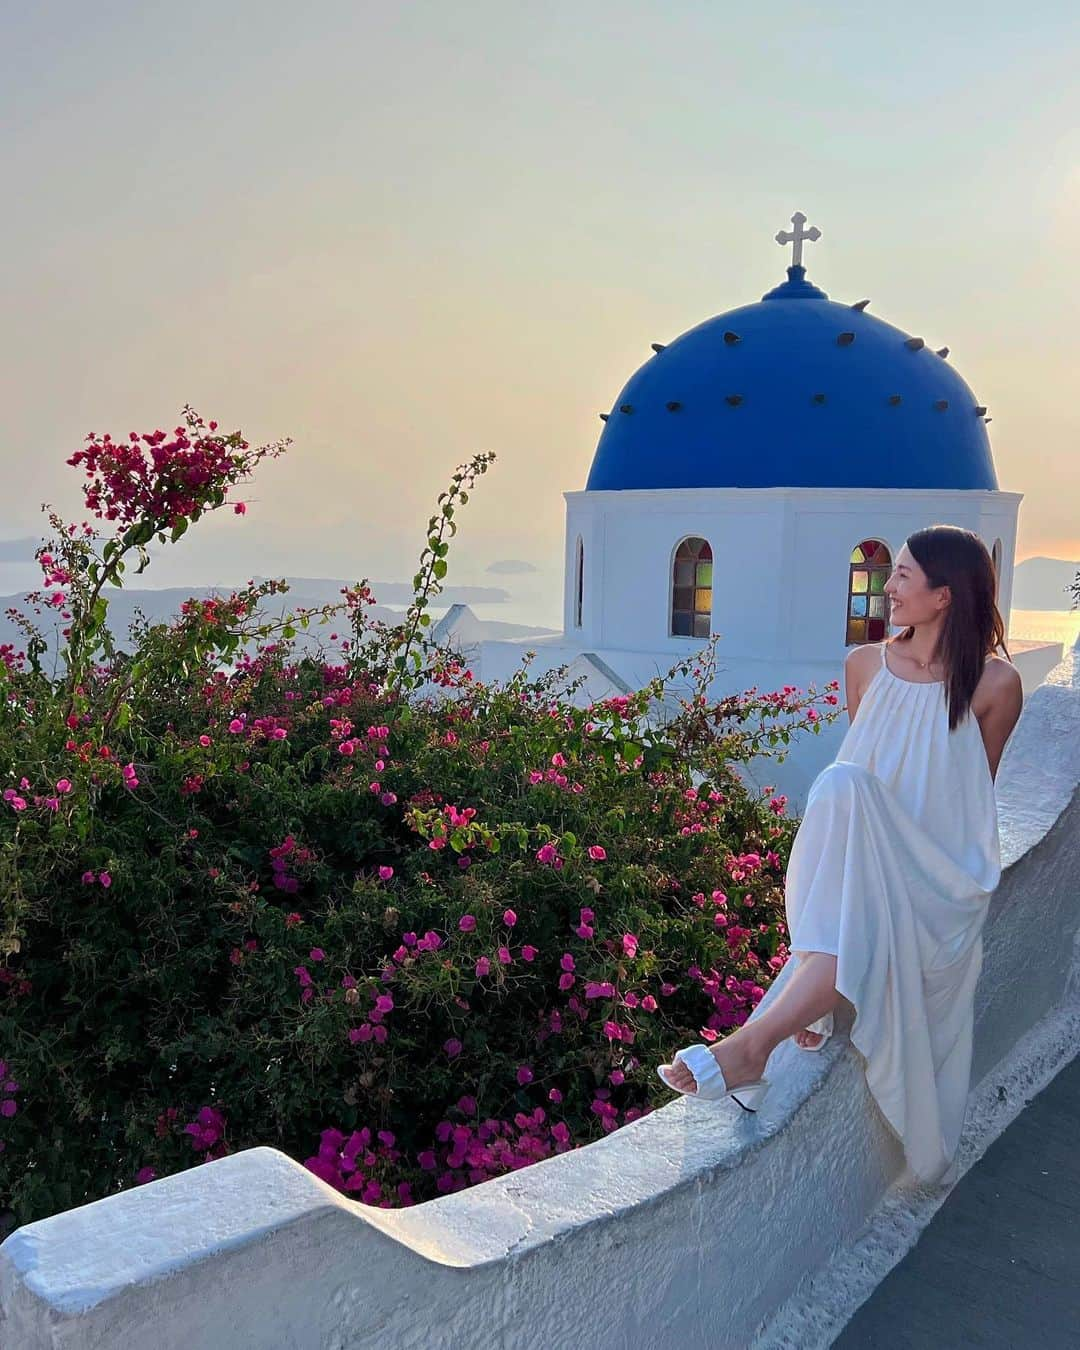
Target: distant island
1042 583
509 567
162 605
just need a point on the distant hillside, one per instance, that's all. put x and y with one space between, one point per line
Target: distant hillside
158 606
508 567
1042 583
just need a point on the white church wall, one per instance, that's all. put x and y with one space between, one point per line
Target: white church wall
688 1228
781 559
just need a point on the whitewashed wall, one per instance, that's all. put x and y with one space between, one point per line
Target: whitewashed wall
781 560
684 1229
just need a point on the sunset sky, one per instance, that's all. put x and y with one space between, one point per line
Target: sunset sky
403 233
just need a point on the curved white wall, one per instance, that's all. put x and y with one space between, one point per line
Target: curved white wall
686 1228
781 558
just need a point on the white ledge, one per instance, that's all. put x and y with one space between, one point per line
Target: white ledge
686 1228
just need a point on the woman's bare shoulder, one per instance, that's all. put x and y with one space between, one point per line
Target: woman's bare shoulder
999 688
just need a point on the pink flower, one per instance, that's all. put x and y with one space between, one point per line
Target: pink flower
63 785
504 955
452 1048
483 966
236 726
554 1095
597 853
143 1175
509 918
566 980
467 923
649 1004
88 878
629 944
385 873
546 854
524 1075
204 741
239 509
105 879
384 1003
529 953
317 954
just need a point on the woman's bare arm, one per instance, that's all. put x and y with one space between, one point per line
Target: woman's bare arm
1004 700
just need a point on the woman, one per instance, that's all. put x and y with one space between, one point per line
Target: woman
895 859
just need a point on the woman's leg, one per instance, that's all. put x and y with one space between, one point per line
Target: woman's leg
809 994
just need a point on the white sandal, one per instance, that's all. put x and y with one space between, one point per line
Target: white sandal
823 1027
711 1084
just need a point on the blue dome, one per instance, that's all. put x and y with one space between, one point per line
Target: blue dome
794 391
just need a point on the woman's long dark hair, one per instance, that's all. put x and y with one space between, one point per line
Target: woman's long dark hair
973 628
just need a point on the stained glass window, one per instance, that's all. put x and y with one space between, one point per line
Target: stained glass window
691 589
868 605
579 582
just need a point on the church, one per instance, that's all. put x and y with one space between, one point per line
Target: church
755 478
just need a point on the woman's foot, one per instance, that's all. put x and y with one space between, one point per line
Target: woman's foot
738 1057
808 1039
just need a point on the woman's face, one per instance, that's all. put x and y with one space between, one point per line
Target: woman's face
911 600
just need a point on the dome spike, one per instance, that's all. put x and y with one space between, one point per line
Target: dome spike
604 417
980 411
658 346
914 344
860 305
731 338
942 352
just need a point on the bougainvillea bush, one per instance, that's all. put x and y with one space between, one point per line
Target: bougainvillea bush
413 929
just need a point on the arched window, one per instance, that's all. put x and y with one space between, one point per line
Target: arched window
867 607
579 581
996 556
691 589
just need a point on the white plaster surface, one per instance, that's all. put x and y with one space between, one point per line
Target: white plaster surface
689 1228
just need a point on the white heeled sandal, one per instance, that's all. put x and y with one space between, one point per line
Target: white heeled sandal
711 1084
823 1027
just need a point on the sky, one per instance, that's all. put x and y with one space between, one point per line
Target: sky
402 234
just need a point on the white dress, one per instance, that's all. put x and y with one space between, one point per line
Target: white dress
891 870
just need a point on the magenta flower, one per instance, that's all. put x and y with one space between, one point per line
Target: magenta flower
236 726
467 923
529 953
317 954
385 873
629 944
452 1048
105 879
483 966
63 785
524 1075
509 918
597 853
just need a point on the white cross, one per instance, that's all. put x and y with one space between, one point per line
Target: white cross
797 235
